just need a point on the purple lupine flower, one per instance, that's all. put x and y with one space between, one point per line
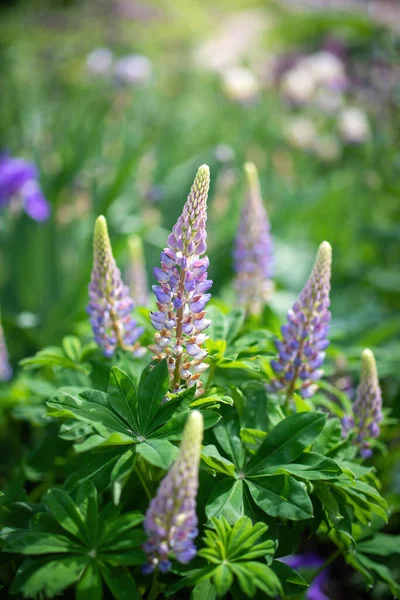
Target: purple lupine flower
181 293
136 274
19 181
5 367
367 409
310 561
171 520
305 335
110 305
253 251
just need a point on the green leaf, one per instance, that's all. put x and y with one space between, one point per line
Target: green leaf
90 586
264 578
160 453
223 579
122 396
226 500
382 571
213 459
48 576
281 496
120 583
309 466
204 591
287 441
218 329
227 434
120 473
252 439
66 513
151 392
255 410
116 529
98 468
90 411
72 347
36 542
86 502
381 544
292 582
236 319
330 436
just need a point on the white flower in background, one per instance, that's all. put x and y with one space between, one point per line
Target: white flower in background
240 84
327 69
353 125
298 84
133 68
301 133
327 148
99 61
224 153
328 101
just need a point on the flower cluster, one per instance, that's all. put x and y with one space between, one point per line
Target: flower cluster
110 305
171 520
253 252
5 367
182 289
304 336
19 183
367 408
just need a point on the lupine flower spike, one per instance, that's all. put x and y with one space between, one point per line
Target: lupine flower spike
305 335
5 367
367 408
136 274
181 295
253 252
171 520
110 305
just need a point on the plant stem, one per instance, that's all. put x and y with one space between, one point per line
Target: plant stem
328 561
155 588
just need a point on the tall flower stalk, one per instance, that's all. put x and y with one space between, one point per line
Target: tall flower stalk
367 408
253 251
181 293
171 520
136 274
5 366
305 335
110 306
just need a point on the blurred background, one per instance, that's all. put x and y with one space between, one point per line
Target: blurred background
110 107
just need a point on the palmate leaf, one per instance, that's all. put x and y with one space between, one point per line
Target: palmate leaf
139 419
91 547
231 552
226 500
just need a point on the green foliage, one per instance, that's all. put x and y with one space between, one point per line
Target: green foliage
71 542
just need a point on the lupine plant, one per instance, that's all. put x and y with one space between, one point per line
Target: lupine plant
150 478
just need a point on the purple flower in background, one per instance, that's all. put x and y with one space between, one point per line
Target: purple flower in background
253 252
314 562
136 273
5 367
182 291
367 408
110 305
171 520
305 335
19 180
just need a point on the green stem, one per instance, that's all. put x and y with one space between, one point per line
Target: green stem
328 561
155 588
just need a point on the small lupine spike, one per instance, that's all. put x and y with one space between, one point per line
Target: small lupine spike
136 274
5 367
171 520
181 292
305 335
110 305
367 408
253 251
